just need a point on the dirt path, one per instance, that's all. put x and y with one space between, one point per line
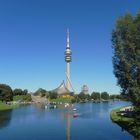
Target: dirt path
38 99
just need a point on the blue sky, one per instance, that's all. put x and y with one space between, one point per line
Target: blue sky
33 41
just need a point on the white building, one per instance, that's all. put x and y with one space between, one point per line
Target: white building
85 89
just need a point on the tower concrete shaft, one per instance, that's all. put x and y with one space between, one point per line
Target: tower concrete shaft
68 85
68 54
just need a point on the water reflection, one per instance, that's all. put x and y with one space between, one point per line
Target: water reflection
68 126
5 118
65 114
39 106
39 123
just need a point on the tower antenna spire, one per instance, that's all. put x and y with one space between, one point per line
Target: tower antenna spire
68 38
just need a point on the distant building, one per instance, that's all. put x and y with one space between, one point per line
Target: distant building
85 89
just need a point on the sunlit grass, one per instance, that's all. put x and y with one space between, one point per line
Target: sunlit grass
17 98
4 106
61 100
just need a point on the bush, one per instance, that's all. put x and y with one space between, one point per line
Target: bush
53 95
27 97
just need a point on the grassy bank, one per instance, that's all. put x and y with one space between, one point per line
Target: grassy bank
4 106
22 98
60 100
17 98
126 123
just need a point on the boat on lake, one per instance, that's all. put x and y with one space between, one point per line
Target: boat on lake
75 115
74 109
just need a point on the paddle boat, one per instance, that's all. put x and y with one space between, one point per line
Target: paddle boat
74 109
75 115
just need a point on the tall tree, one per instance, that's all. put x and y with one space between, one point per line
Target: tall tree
126 59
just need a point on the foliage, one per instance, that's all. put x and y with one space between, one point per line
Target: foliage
75 99
88 97
18 98
83 97
42 92
6 93
95 95
22 97
126 59
53 95
119 96
112 97
19 91
27 97
25 91
105 95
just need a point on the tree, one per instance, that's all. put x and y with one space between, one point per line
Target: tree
126 59
17 91
47 94
27 97
112 97
76 98
43 94
25 91
95 95
82 96
6 93
40 92
53 95
88 97
105 95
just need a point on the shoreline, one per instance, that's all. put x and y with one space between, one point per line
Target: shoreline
125 123
4 106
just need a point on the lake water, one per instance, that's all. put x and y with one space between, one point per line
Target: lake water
35 123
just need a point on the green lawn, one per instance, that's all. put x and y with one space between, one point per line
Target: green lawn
62 100
22 98
17 98
116 118
4 106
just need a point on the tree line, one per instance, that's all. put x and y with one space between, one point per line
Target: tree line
81 96
7 94
97 96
